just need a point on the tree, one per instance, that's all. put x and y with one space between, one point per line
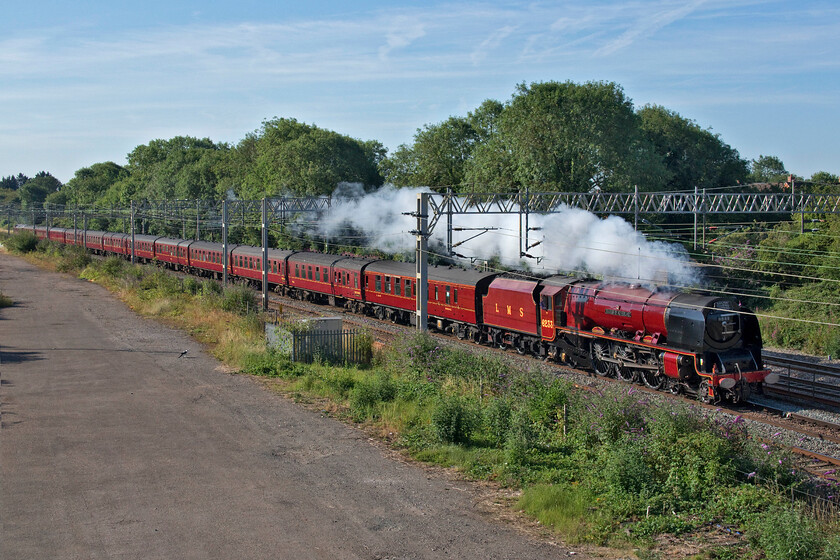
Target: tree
288 157
35 190
183 167
825 178
573 137
89 184
767 169
693 156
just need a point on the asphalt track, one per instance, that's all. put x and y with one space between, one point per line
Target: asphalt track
113 446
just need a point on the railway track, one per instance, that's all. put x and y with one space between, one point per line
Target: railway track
802 380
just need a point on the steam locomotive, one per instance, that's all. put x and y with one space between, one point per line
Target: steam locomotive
674 341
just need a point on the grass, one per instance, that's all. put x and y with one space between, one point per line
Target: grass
612 468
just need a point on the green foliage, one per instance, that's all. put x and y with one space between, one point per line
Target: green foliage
239 299
340 380
521 437
35 190
113 266
23 242
180 168
454 419
367 394
438 157
497 418
89 184
286 156
159 283
545 402
555 136
767 169
72 259
571 137
693 156
191 285
787 534
800 302
5 301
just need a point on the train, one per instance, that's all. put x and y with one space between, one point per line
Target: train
669 340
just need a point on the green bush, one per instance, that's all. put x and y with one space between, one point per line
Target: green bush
113 267
341 380
545 404
191 285
239 299
5 301
624 468
497 419
211 287
368 393
454 419
23 242
521 437
160 282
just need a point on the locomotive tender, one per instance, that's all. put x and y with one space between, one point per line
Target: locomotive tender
669 340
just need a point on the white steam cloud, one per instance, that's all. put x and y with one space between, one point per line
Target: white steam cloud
569 241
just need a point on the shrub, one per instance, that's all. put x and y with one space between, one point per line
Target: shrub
521 437
342 381
239 299
624 468
113 267
23 242
191 285
211 287
546 402
497 419
368 393
72 259
454 419
5 301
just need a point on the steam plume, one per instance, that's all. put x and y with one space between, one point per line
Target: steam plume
571 241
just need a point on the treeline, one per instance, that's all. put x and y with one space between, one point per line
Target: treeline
549 136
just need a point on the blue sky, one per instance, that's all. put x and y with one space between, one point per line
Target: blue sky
87 81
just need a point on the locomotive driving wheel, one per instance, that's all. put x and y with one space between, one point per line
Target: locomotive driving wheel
653 378
703 392
601 366
626 372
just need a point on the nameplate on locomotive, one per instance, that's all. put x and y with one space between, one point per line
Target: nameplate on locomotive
618 312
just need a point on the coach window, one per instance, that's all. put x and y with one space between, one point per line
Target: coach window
309 271
378 283
408 288
398 286
436 293
455 296
447 295
356 281
387 284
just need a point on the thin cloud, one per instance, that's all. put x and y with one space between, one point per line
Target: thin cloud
491 43
648 24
